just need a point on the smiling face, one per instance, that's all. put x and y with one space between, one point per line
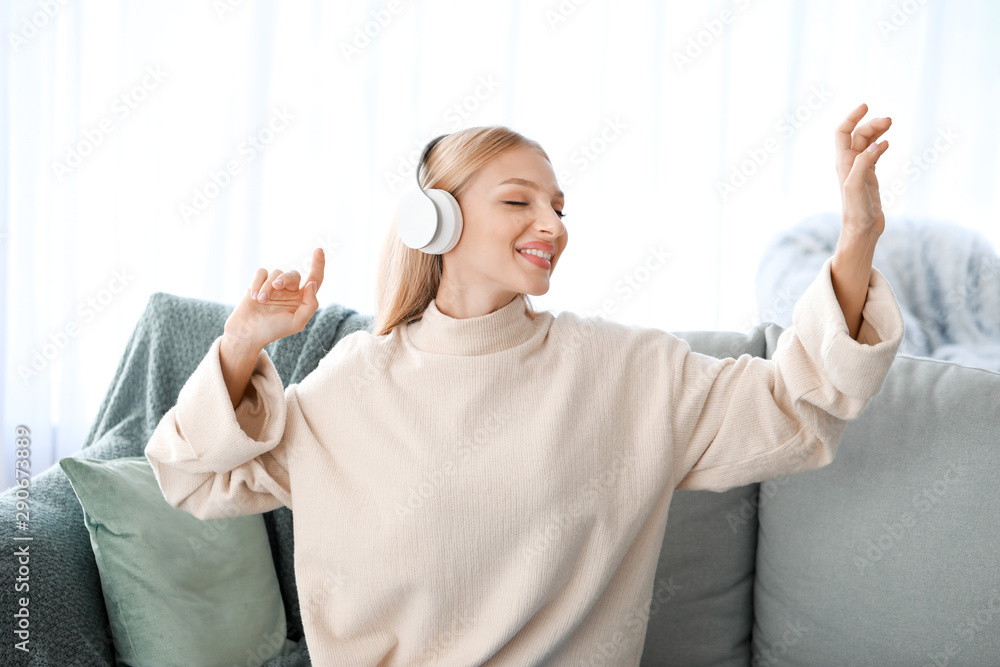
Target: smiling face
512 201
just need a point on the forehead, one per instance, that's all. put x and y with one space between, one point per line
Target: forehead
521 164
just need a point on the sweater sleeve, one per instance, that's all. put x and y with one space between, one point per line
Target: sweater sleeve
750 419
214 461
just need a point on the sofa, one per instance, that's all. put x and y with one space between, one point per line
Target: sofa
888 556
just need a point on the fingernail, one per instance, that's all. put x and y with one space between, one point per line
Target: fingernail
253 294
262 297
279 282
871 149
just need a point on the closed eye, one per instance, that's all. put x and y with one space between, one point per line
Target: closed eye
524 203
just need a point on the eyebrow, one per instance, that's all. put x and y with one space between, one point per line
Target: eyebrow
531 184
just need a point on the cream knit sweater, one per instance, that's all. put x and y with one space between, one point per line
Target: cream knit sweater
494 490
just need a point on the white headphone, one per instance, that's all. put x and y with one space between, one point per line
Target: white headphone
429 220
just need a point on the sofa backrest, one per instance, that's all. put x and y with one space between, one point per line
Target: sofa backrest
701 612
891 554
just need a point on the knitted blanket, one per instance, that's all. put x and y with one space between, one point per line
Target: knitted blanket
946 279
69 622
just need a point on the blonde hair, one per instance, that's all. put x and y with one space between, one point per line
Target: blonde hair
408 279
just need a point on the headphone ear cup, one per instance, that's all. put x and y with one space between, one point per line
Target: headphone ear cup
416 219
449 222
429 221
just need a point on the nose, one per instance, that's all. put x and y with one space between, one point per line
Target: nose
551 224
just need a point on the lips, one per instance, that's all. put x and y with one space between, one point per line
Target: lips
538 245
540 262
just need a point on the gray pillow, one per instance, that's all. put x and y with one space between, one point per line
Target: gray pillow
891 554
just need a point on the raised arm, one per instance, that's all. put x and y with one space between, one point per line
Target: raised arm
222 450
237 361
737 421
213 460
863 220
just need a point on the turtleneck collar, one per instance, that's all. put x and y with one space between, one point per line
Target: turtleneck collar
442 334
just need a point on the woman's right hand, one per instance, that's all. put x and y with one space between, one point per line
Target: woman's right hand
267 313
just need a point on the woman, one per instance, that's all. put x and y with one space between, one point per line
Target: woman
476 483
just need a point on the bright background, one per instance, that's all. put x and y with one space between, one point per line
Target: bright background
117 115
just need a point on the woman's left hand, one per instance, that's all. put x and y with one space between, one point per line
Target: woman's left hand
862 207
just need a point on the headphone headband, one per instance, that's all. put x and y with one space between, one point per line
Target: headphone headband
423 155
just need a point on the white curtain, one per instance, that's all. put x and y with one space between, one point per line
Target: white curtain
178 146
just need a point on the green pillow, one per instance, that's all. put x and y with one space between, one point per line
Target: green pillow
179 590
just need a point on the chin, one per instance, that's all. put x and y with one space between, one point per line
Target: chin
537 291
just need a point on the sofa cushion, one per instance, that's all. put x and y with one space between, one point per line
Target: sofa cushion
889 555
701 612
178 590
